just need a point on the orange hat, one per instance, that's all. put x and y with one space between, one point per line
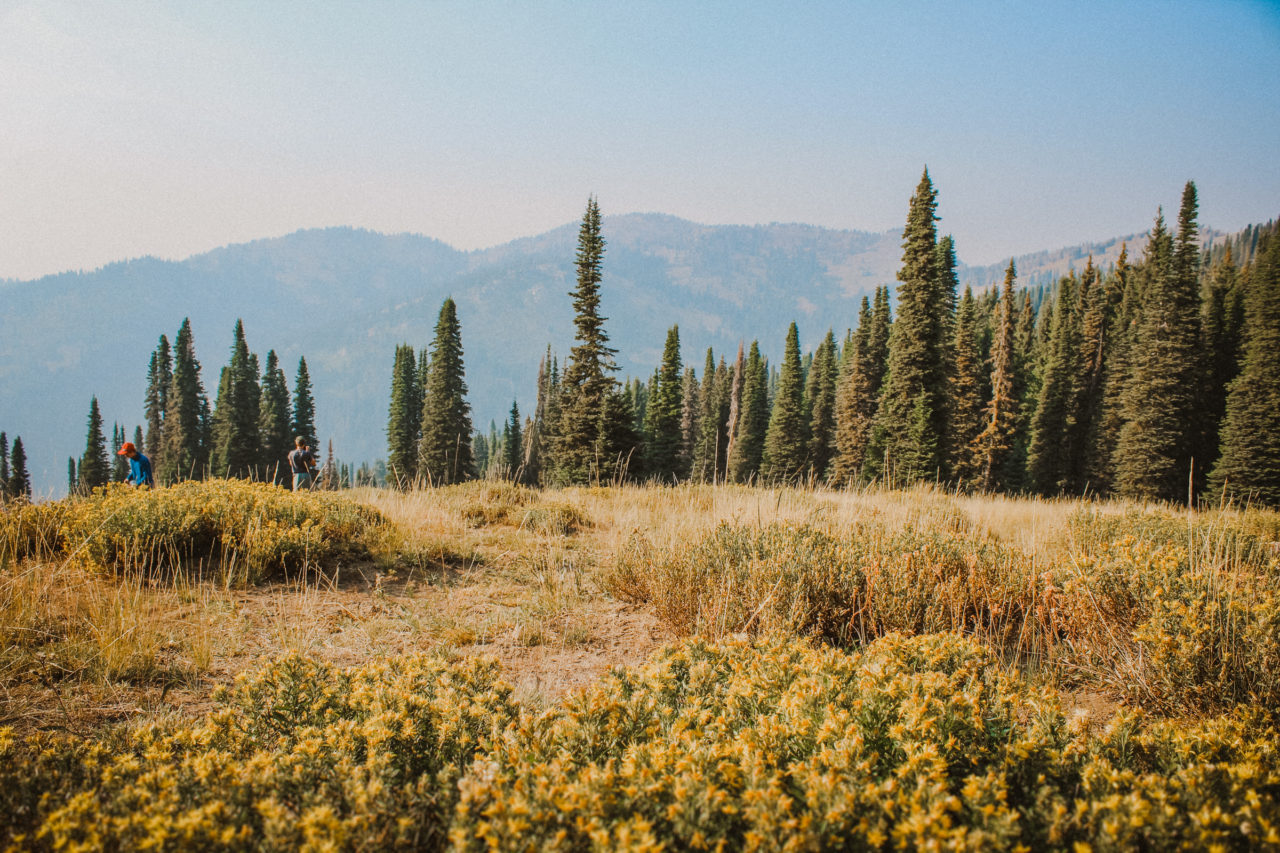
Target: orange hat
126 449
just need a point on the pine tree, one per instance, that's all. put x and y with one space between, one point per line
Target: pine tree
663 437
138 443
1052 452
994 446
514 460
273 423
1121 329
4 467
17 485
709 453
588 383
444 452
185 449
1222 324
1248 467
95 468
820 400
536 435
753 419
787 436
968 393
73 477
237 446
159 380
119 467
910 431
303 422
690 421
737 379
1157 443
404 420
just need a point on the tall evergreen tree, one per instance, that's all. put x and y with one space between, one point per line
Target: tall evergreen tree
1157 443
690 421
237 444
1096 309
273 423
994 446
1248 467
185 451
4 466
709 454
1052 453
303 422
73 476
1121 297
753 419
737 381
787 437
444 453
404 420
95 467
159 380
514 460
581 445
664 436
1222 323
17 484
967 399
119 467
820 400
910 432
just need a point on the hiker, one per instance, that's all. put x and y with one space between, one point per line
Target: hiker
301 463
139 466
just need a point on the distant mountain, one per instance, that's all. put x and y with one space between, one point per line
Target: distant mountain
344 298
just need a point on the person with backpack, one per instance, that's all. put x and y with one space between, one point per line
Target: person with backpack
302 463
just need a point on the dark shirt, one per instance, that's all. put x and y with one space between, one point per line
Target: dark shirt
301 461
140 471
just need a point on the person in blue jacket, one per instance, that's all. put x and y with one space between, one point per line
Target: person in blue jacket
139 466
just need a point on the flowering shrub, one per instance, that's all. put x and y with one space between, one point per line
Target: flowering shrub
298 755
916 743
922 742
248 529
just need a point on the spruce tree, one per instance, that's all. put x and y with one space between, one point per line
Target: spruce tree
273 423
159 380
303 421
404 419
73 477
820 400
95 467
588 383
514 450
1248 467
237 446
753 419
663 437
968 393
17 485
1155 453
1221 325
787 436
185 451
994 446
709 454
4 466
737 379
1052 454
1121 330
1096 309
690 421
119 467
444 452
910 431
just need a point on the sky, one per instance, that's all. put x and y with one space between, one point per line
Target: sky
171 128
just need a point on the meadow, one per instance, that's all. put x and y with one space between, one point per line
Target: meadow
225 665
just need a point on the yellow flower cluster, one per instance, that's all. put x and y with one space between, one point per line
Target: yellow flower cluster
298 756
913 743
916 743
247 529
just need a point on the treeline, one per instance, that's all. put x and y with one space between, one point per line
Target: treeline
246 433
1155 379
15 481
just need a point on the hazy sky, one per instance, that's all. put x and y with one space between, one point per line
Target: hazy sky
169 128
